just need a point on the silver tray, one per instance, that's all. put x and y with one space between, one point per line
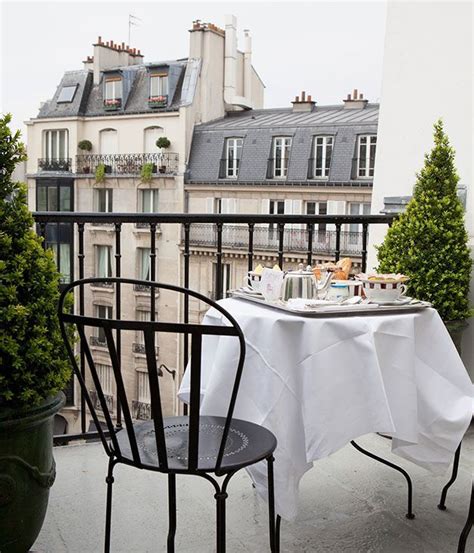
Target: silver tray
333 310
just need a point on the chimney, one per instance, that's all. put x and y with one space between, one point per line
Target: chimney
108 55
356 101
247 64
303 104
230 60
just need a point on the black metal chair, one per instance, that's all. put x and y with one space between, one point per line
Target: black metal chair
194 444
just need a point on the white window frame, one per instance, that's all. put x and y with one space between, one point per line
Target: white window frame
325 144
98 330
162 86
106 378
144 254
108 192
320 208
114 85
366 164
282 143
154 193
108 263
143 387
233 146
60 135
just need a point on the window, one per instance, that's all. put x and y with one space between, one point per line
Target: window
56 145
113 89
150 136
103 200
103 261
354 228
281 155
366 156
102 312
67 94
233 156
143 387
105 374
148 200
144 265
158 85
322 156
318 208
275 207
225 279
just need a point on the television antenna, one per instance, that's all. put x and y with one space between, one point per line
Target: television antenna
132 22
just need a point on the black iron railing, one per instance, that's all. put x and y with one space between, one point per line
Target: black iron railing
276 235
229 168
127 164
54 164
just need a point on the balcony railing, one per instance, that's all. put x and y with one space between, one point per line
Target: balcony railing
54 164
274 172
138 347
276 235
229 170
267 239
127 164
141 410
313 170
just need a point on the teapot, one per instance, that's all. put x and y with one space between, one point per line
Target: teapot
302 284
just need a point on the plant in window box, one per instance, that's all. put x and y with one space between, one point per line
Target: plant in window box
112 103
147 171
163 143
158 101
33 361
85 146
429 242
100 173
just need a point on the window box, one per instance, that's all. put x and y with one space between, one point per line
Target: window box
158 101
112 104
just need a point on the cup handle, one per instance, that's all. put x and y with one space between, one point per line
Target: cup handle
403 290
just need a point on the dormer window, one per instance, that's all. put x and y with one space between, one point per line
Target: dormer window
278 164
158 90
113 93
67 94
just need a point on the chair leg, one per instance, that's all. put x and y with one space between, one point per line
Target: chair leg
108 512
454 475
410 513
172 511
274 537
220 521
468 525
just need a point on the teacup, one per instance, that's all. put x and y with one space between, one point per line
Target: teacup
254 280
384 291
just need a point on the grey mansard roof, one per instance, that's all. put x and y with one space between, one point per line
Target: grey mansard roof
258 127
88 99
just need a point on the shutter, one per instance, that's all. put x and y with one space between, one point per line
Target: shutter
288 207
297 210
232 205
335 208
209 205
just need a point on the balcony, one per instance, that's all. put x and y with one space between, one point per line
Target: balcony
348 505
267 239
54 164
138 347
127 164
141 410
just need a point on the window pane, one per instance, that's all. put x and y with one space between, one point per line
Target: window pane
41 204
54 145
67 94
65 262
145 263
64 198
52 198
311 208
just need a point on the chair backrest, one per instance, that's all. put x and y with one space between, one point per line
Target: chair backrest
115 326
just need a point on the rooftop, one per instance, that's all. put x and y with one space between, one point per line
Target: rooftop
348 503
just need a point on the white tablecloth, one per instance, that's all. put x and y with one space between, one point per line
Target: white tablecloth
318 383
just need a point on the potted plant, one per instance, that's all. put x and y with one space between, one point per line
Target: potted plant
147 171
163 143
100 173
33 361
429 242
85 146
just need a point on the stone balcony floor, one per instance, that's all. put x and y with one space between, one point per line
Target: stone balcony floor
348 503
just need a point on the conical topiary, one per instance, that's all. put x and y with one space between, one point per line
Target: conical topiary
429 242
33 361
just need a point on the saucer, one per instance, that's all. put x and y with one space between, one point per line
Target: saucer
400 301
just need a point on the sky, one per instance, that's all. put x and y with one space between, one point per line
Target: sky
325 48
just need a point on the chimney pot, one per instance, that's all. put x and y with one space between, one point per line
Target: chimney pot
309 97
355 94
99 40
361 96
297 98
303 96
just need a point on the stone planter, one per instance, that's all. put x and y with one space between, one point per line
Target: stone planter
27 472
456 330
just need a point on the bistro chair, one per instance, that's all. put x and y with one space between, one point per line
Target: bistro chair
204 446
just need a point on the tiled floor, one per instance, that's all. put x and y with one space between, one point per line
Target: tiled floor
348 503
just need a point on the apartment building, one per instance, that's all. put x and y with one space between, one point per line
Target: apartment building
92 148
306 159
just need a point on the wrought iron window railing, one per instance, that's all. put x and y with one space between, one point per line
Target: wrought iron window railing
362 168
127 164
54 164
276 235
141 410
229 168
